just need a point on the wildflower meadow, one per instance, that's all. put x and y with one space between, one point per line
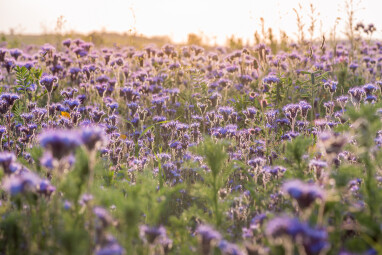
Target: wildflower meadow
266 148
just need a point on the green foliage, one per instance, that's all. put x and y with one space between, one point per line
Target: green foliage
216 159
310 88
13 236
25 78
241 102
73 185
136 187
294 152
346 173
278 92
17 110
366 124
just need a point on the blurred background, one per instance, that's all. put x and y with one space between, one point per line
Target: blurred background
211 22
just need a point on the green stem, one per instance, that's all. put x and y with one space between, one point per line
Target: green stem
216 201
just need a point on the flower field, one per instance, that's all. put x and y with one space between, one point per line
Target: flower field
191 150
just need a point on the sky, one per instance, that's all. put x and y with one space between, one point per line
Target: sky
216 20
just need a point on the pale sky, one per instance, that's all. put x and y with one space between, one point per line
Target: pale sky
176 18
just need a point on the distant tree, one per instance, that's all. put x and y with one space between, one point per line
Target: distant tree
194 39
234 43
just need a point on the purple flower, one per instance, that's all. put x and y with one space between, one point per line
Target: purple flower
258 220
3 130
152 234
369 88
47 161
370 99
305 107
9 98
25 181
49 82
6 160
93 137
226 111
314 240
342 100
15 53
331 86
356 94
60 143
112 106
110 246
245 78
305 194
232 69
9 64
67 42
2 54
103 215
228 248
291 111
80 52
85 199
271 79
69 93
207 235
353 66
45 188
72 103
283 225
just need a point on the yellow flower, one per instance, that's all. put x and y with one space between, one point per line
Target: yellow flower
65 115
123 137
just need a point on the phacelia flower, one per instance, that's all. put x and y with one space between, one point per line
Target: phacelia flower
305 194
60 143
49 82
93 137
207 235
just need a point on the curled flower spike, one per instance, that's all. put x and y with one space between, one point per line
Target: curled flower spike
49 82
10 98
331 86
356 94
342 100
305 108
291 111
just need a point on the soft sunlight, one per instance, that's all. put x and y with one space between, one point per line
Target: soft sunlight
215 20
209 127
